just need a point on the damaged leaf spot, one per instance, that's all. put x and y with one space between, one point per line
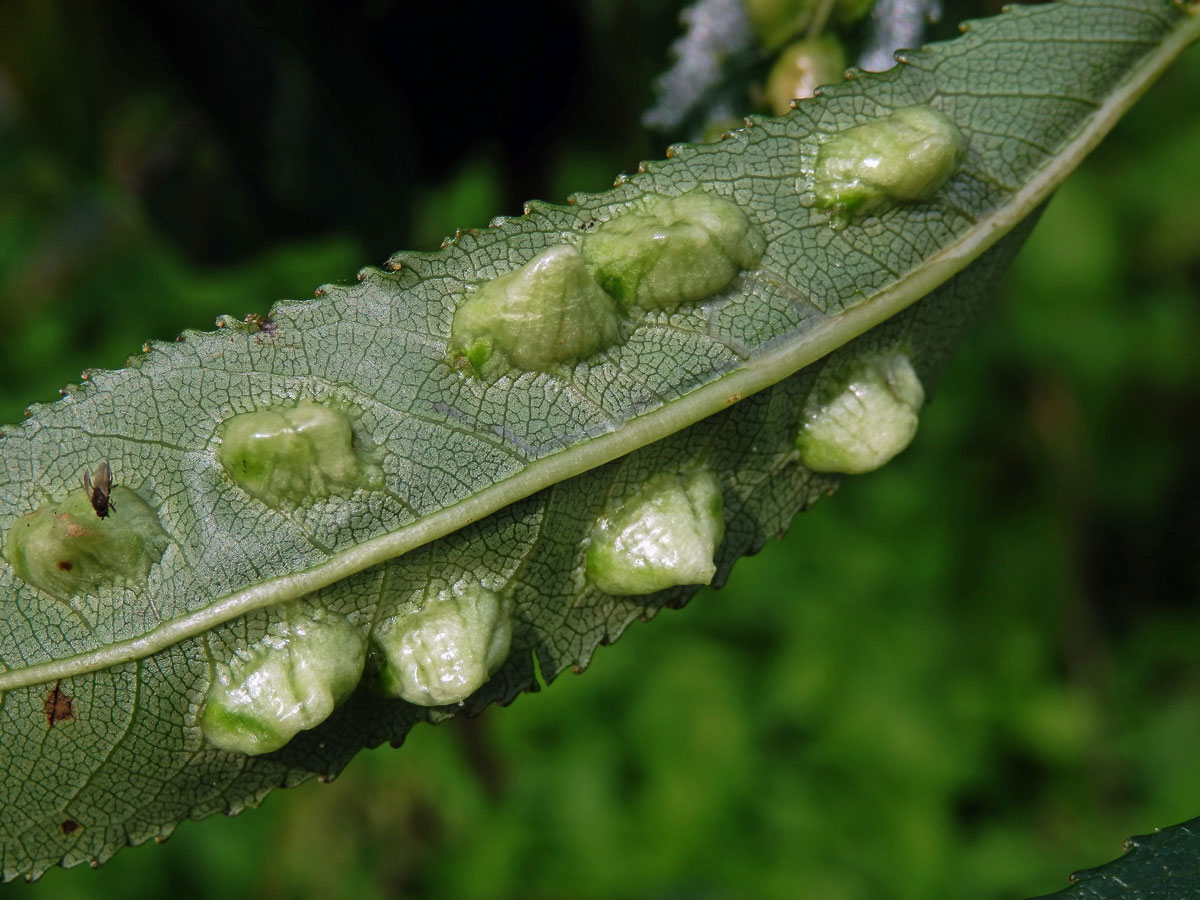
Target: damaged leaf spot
444 651
59 707
69 826
285 456
265 324
673 250
546 314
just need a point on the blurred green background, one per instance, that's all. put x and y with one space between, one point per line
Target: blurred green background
962 677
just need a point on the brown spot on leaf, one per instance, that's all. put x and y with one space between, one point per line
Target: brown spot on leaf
64 565
58 706
69 826
263 323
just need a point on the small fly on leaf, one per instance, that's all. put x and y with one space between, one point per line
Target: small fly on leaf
98 485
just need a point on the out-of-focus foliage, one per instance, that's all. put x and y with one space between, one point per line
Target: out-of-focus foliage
974 672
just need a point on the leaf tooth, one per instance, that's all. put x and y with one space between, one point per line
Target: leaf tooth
402 259
584 198
541 207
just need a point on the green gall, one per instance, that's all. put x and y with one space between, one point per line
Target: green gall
673 250
548 313
850 11
904 157
776 21
801 68
285 456
861 418
444 651
666 534
65 548
287 682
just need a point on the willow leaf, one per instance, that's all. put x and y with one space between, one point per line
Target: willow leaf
465 483
1159 866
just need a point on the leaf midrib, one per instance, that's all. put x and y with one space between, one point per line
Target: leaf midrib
776 361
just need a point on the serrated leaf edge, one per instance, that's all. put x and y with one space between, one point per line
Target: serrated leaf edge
781 358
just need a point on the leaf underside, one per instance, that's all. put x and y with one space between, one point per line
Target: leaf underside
501 481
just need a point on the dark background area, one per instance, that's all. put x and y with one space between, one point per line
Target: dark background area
963 676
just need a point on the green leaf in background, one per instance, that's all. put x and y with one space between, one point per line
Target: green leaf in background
1160 866
258 363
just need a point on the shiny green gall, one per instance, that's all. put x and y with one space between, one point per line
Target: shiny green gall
443 651
287 682
862 416
665 534
801 68
66 548
285 456
540 317
904 157
673 250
